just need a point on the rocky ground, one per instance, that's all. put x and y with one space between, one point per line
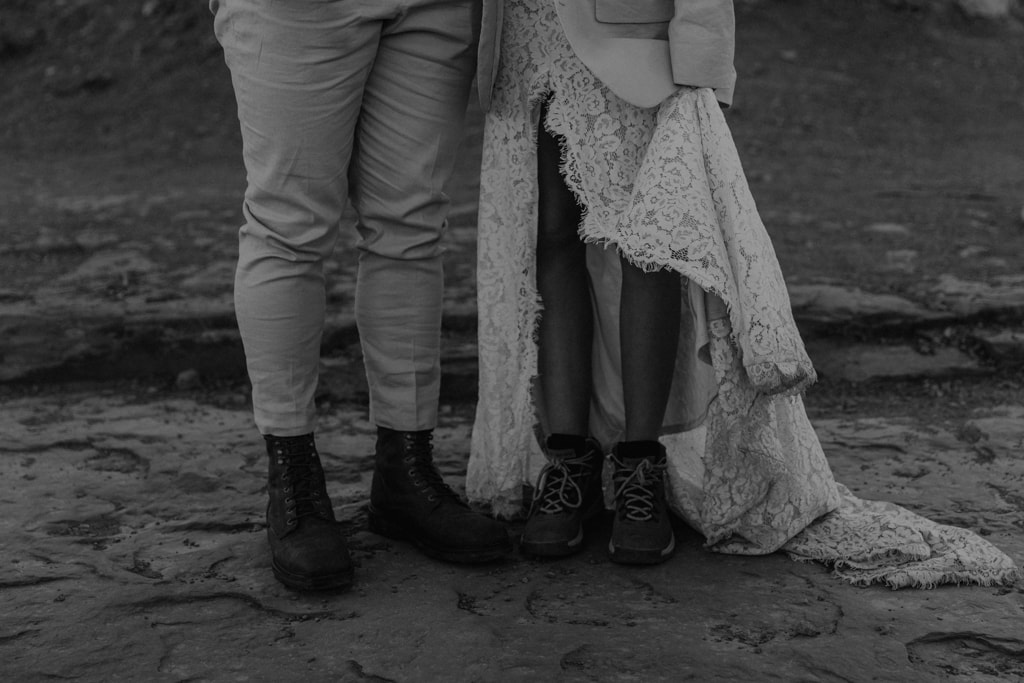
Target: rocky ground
885 147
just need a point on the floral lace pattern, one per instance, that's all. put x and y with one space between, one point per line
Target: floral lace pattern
664 186
693 212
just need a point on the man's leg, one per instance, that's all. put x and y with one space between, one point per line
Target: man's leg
411 123
298 69
298 76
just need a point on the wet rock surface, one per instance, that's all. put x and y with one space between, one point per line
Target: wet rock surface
135 548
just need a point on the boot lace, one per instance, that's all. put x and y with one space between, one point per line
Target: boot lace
558 487
303 483
636 492
419 456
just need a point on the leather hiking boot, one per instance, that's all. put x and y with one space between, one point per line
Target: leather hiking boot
642 530
568 493
306 544
410 501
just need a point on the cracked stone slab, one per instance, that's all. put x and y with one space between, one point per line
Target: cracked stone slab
834 359
1004 293
829 304
135 549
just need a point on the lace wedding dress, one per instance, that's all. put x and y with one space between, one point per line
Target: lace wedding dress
664 187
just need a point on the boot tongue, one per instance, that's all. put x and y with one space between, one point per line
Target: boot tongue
635 488
639 466
290 446
420 454
638 450
299 458
420 435
307 482
565 442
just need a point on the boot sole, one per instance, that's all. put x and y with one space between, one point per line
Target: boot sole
635 556
562 548
556 549
382 525
339 581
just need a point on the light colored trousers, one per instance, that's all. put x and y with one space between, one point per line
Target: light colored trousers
340 100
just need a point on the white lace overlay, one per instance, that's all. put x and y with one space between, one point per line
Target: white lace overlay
665 188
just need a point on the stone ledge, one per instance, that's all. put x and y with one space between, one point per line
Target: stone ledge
54 339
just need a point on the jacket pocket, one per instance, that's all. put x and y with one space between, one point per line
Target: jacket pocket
634 11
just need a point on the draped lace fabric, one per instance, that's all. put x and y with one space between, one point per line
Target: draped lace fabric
664 187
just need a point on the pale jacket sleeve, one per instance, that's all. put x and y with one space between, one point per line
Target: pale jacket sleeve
702 42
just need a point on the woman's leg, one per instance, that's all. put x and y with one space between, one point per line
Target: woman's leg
568 491
649 334
566 328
